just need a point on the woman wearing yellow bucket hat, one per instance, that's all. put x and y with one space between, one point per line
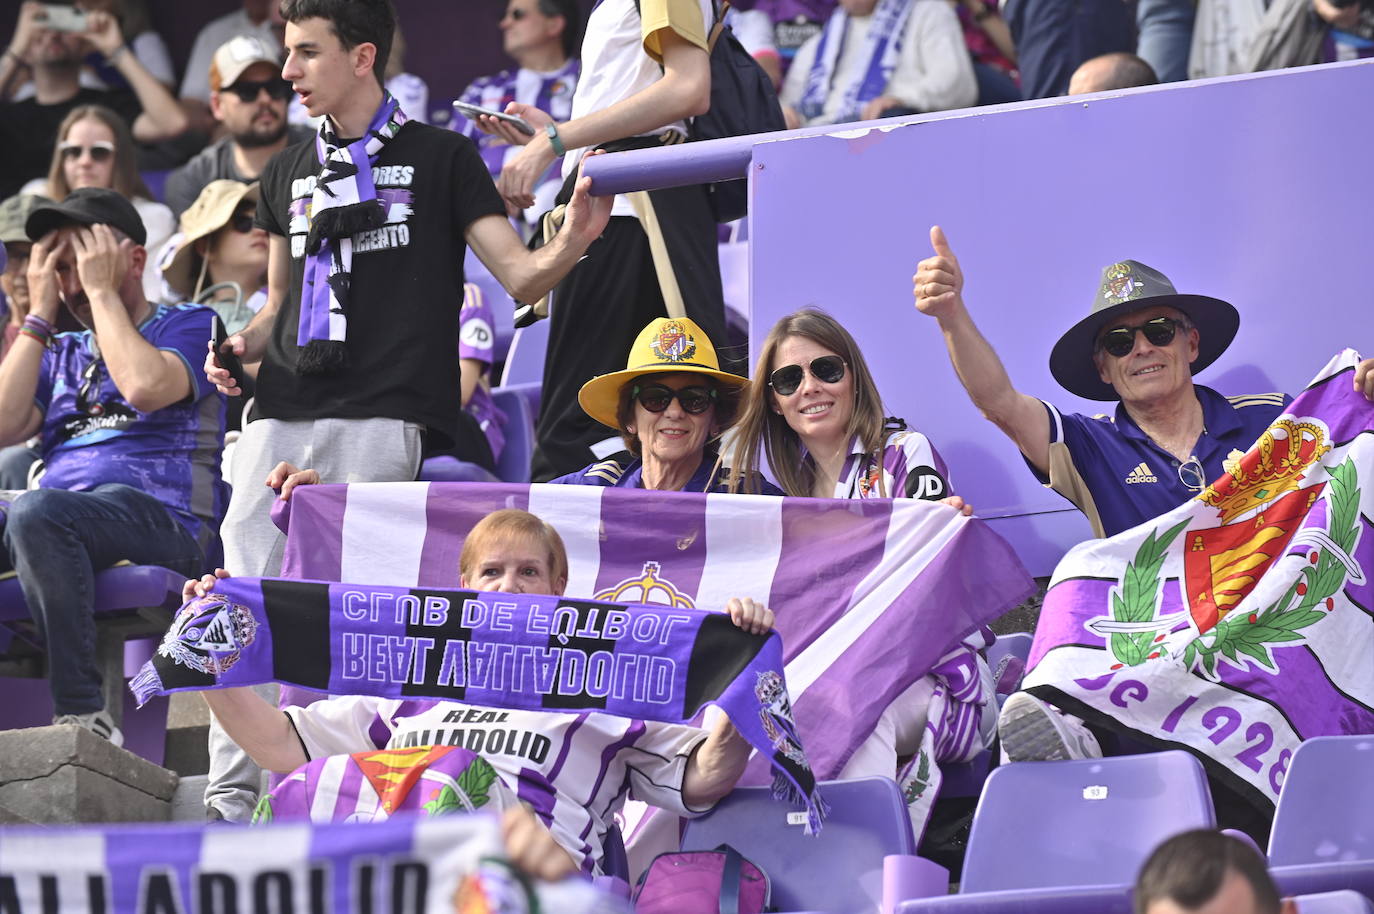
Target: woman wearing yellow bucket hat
670 405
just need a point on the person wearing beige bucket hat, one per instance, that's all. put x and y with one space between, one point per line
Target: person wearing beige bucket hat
1141 344
670 405
221 259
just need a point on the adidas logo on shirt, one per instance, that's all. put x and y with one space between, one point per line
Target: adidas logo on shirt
1141 474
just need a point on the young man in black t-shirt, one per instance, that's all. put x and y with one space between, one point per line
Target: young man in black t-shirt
358 340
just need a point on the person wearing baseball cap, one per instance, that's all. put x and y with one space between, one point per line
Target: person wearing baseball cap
670 405
249 98
131 434
1140 345
13 281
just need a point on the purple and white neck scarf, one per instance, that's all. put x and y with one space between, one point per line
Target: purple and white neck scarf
344 203
528 652
882 47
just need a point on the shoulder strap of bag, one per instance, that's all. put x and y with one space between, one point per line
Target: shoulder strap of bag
729 880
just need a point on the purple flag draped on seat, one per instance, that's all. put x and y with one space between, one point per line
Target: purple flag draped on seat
1242 622
869 595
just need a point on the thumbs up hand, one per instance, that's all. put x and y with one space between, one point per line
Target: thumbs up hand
939 283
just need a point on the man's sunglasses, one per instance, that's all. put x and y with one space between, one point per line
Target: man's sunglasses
786 380
656 397
1119 341
517 14
242 221
277 88
100 150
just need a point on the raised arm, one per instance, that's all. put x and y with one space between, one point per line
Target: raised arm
528 275
20 416
250 344
938 287
162 117
148 377
683 91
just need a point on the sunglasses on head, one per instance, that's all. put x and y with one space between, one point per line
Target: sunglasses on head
786 380
656 397
277 88
1119 341
242 221
100 150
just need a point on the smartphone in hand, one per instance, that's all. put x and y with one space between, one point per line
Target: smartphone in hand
62 18
471 112
225 356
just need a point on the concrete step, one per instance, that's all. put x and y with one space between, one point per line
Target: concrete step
188 803
67 774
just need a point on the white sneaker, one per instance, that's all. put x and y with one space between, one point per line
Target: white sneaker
98 722
1032 731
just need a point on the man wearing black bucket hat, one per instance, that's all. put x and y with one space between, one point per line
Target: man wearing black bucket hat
131 433
1141 345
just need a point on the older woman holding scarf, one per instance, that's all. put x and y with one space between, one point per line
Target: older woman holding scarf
670 405
814 409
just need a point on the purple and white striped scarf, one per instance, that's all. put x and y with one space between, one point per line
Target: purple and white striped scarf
344 203
882 46
528 652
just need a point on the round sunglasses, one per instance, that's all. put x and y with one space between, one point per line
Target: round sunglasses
242 221
1119 341
100 150
786 380
656 397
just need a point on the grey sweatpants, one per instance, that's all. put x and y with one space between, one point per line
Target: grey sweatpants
342 450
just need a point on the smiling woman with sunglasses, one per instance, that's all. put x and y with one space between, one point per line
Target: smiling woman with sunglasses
814 410
670 406
95 149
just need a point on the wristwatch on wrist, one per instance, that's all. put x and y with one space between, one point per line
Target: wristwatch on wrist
551 130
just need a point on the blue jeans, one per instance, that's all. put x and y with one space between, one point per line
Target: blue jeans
56 540
1166 36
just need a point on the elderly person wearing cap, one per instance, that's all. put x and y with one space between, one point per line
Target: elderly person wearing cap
131 434
1140 345
249 99
670 405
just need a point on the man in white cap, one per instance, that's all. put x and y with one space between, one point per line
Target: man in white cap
249 97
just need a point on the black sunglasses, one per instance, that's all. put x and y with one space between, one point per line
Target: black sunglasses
277 88
786 380
517 14
242 221
1119 341
656 397
100 150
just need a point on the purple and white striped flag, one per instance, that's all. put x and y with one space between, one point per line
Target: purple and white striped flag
1242 622
869 595
404 865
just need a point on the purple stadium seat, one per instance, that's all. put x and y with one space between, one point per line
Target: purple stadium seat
1081 823
1346 902
130 601
446 468
525 360
157 183
1315 823
520 405
841 869
1313 878
1094 899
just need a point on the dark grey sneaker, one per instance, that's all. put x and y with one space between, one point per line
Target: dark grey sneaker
1032 731
98 722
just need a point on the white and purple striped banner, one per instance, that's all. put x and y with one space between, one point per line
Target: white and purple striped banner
869 595
1242 622
405 865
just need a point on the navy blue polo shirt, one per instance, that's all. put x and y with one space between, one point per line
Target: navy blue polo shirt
1119 477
